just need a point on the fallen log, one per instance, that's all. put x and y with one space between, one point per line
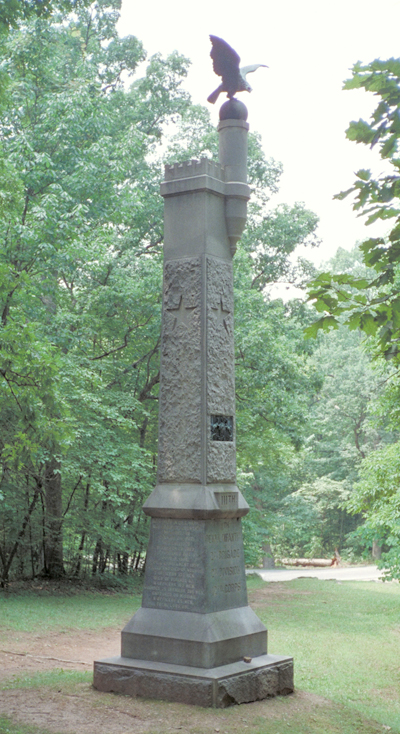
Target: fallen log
314 562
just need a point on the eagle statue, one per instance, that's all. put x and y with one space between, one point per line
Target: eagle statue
226 65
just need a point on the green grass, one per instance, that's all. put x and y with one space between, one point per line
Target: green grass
26 612
344 637
8 727
323 720
52 679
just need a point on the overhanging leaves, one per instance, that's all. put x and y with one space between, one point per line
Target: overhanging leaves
377 199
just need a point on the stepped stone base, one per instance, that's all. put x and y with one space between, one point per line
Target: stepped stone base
263 677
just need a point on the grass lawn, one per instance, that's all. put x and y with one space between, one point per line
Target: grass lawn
87 610
344 637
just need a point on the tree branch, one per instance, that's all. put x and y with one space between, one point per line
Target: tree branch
72 494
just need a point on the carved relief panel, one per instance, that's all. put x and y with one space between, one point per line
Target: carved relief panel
179 458
221 450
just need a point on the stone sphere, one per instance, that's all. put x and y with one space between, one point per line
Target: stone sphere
233 109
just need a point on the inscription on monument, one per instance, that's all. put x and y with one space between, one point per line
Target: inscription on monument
195 565
227 500
225 564
175 567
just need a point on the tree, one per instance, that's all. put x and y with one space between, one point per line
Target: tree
80 293
373 304
342 433
80 276
377 498
275 379
312 521
341 419
13 12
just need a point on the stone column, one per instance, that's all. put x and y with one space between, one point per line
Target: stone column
195 639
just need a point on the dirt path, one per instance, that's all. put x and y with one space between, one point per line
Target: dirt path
26 653
86 711
332 573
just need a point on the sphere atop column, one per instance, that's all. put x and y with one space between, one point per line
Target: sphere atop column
233 109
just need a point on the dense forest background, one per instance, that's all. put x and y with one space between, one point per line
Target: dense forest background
85 129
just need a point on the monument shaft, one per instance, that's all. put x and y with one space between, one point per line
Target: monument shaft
195 639
197 446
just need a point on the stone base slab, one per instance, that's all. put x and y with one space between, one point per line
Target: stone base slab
263 677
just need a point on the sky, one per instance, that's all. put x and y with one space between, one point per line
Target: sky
297 104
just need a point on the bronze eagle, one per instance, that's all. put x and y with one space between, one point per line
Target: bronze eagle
226 64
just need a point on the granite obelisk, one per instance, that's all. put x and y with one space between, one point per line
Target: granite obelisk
195 639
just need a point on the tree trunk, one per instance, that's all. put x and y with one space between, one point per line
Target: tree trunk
99 562
53 556
6 562
83 536
103 562
376 550
268 556
95 558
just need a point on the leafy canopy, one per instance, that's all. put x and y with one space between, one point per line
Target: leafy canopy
372 304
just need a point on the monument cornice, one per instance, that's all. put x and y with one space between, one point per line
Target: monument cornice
196 501
186 185
204 182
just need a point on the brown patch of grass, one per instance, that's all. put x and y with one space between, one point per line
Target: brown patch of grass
274 592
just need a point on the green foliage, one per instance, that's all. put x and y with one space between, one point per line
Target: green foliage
274 384
80 273
340 422
359 542
310 522
14 11
270 347
377 497
373 305
255 535
80 277
343 427
9 727
272 236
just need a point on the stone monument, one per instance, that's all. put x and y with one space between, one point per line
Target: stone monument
195 639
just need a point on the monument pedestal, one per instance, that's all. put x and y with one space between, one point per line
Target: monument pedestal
194 609
195 639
